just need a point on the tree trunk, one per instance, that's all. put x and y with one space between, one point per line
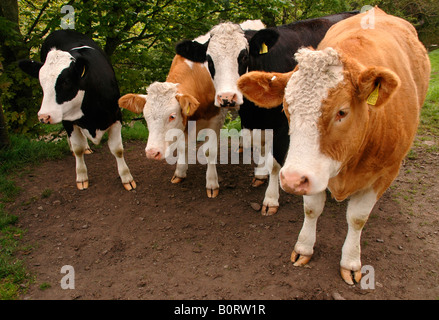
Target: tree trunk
12 46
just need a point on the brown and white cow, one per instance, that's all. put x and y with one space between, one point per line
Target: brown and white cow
353 107
187 95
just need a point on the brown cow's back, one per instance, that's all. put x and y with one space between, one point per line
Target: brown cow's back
194 79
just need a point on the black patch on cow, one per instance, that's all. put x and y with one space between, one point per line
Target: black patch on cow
67 84
31 67
242 62
211 66
192 50
268 37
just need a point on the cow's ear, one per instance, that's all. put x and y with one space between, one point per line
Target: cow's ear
376 85
188 104
262 42
192 50
133 102
31 67
265 89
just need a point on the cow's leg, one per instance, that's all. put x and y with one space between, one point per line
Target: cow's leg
180 172
87 147
212 184
271 200
116 148
262 177
359 207
304 248
78 143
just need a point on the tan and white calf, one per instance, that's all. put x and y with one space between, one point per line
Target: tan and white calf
187 95
353 107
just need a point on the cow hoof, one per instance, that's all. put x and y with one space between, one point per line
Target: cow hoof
258 182
212 193
269 211
176 179
130 185
349 276
82 185
299 260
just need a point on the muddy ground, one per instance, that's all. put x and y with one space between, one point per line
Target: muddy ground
166 241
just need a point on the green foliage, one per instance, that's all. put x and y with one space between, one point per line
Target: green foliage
430 111
232 122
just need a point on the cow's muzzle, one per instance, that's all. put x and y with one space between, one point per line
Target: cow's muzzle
45 118
227 99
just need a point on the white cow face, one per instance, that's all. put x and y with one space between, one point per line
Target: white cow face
227 58
162 113
164 109
226 54
60 78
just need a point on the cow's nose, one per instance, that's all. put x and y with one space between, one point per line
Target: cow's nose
44 118
293 182
154 154
227 99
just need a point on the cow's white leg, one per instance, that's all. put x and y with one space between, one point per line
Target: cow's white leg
116 148
262 175
212 184
180 172
78 144
304 248
87 147
271 200
359 207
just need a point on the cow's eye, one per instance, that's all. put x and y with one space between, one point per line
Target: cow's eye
172 117
341 114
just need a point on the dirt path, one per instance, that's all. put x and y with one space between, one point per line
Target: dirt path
166 241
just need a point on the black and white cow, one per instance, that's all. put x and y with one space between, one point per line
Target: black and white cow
80 90
232 51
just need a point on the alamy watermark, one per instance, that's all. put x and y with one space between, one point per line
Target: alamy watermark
368 278
68 21
257 147
68 281
368 21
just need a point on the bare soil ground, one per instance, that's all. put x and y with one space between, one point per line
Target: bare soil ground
165 241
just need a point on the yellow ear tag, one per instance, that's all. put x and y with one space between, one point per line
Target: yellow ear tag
188 110
373 97
83 72
264 49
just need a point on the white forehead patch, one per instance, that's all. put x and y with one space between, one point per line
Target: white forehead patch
161 97
318 72
56 61
226 39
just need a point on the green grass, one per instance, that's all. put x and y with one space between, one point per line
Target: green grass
430 111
